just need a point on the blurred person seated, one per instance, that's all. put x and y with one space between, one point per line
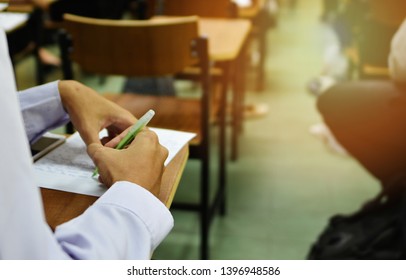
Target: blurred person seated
363 31
368 117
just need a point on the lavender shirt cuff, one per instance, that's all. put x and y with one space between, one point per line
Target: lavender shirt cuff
42 110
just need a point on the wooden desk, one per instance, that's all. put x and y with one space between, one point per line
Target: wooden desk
62 206
226 37
256 14
18 6
252 11
227 46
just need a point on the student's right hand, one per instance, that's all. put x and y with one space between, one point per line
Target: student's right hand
90 112
142 162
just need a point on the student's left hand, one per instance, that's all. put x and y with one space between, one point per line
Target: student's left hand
90 112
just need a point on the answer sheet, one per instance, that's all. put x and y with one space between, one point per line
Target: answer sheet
243 3
69 168
10 21
3 6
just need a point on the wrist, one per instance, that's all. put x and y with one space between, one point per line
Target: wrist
67 91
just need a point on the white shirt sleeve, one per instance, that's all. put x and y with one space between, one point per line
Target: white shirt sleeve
126 222
42 110
397 56
122 205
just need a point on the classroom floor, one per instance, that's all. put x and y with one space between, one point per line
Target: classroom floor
286 183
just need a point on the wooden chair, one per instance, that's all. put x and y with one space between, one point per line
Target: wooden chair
151 49
216 9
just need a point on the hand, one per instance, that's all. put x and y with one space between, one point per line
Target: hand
141 163
90 112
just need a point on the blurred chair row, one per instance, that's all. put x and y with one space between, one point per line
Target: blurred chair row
256 13
43 22
177 46
151 49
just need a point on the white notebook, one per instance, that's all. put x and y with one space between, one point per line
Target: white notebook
10 21
69 168
3 6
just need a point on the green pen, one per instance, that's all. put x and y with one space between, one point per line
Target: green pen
134 130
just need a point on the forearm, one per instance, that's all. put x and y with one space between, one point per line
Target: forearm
42 110
127 222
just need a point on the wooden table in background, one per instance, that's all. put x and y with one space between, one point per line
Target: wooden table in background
252 11
228 40
63 206
18 6
256 13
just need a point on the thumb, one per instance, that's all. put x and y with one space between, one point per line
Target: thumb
97 153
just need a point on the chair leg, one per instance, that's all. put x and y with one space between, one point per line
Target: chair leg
37 18
260 83
204 209
40 73
238 116
236 112
223 148
238 101
222 179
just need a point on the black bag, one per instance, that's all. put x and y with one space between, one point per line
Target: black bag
375 232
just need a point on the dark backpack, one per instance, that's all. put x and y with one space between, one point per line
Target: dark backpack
377 231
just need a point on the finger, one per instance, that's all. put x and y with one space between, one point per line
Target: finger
145 135
90 135
115 125
114 142
122 123
94 151
119 120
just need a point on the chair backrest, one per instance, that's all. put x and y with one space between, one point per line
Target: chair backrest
202 8
132 47
138 48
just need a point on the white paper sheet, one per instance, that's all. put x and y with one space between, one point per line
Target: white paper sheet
243 3
3 6
10 21
69 168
